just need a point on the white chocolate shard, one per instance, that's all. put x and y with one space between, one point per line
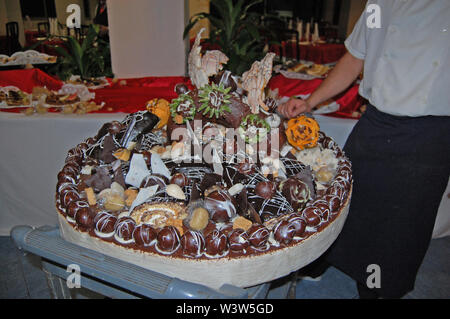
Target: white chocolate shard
143 195
138 170
158 166
201 67
255 80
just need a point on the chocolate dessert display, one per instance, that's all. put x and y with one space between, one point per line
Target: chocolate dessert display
208 187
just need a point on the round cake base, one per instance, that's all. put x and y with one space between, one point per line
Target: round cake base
242 272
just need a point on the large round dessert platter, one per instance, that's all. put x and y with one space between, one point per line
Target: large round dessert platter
213 187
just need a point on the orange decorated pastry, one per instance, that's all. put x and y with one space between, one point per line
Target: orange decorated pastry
161 108
302 132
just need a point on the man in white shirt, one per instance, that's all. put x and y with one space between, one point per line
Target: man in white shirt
400 148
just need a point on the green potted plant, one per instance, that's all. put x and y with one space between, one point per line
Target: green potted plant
237 31
90 59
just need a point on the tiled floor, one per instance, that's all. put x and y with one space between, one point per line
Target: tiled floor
22 278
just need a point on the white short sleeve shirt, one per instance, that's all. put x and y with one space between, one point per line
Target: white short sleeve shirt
406 52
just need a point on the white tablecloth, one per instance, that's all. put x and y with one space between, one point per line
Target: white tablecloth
33 150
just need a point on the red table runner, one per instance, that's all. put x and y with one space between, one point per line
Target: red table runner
131 95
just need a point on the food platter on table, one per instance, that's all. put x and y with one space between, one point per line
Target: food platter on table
26 57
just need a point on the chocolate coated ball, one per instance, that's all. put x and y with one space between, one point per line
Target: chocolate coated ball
75 206
258 235
193 243
336 190
324 209
312 215
168 239
220 205
284 232
84 218
67 196
144 235
238 240
181 88
115 127
104 222
334 202
180 179
298 223
265 189
124 228
216 243
296 192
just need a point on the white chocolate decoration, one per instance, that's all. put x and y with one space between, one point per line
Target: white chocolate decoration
158 166
143 195
138 170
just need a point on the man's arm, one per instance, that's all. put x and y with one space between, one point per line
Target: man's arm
344 73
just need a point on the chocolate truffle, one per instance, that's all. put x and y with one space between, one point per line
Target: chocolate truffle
216 243
67 196
124 228
168 239
104 223
265 189
71 169
75 206
193 243
181 88
238 240
312 215
144 235
336 190
323 208
258 235
284 232
298 223
220 205
84 218
180 179
66 178
114 127
334 202
296 192
64 187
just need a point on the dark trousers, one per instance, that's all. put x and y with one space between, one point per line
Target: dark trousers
401 167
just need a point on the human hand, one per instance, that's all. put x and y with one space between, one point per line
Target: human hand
294 107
